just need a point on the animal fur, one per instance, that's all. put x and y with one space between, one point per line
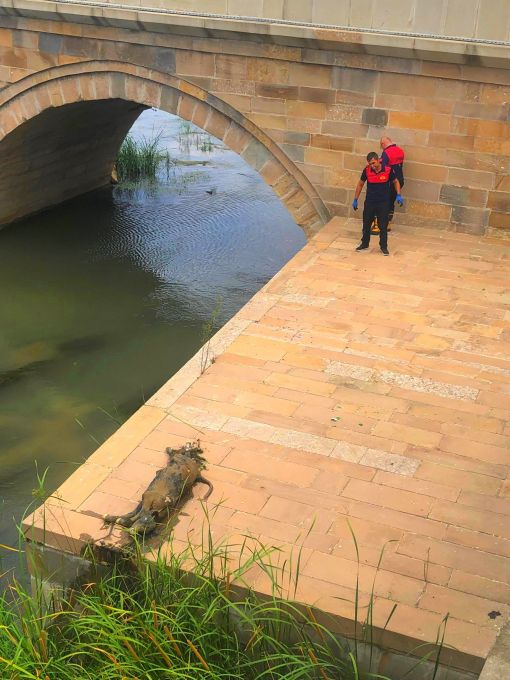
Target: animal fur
170 485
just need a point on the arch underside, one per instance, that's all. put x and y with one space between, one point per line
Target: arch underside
61 153
61 130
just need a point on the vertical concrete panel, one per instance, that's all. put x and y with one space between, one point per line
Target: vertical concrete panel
461 16
184 5
273 9
335 12
361 14
297 10
428 16
396 15
210 6
493 19
246 8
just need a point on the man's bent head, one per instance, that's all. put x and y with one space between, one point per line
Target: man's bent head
384 142
373 161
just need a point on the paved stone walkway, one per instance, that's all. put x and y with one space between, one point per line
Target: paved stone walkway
354 389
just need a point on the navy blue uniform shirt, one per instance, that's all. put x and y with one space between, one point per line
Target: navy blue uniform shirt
378 183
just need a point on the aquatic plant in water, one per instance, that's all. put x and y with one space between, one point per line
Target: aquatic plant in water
141 159
190 136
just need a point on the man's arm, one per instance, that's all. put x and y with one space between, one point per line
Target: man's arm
399 198
357 192
359 189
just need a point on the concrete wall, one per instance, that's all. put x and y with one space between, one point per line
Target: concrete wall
318 108
484 19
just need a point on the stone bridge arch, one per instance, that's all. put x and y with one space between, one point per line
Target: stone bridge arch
61 128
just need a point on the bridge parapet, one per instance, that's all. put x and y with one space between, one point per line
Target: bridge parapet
436 30
465 19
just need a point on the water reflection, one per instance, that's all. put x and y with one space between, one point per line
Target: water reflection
105 297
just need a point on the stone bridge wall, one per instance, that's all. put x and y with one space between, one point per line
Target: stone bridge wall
319 100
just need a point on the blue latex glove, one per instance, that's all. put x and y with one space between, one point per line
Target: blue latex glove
400 200
355 204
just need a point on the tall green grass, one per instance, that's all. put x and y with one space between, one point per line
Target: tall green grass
141 159
189 616
156 621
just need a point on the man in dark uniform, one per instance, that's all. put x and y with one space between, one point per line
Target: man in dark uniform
380 178
393 156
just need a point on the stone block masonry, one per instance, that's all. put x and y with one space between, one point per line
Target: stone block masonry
36 173
317 100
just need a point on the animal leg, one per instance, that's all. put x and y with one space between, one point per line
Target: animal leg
123 520
164 515
209 484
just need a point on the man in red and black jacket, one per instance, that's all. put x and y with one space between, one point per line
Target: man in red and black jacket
393 155
380 179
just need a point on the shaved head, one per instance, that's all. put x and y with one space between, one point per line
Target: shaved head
385 141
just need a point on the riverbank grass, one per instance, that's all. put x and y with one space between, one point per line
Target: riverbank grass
190 615
141 159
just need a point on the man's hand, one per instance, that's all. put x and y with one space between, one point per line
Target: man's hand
400 200
355 204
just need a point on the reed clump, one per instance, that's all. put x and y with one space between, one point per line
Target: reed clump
189 616
141 159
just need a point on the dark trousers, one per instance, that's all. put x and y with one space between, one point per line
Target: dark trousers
393 198
379 210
